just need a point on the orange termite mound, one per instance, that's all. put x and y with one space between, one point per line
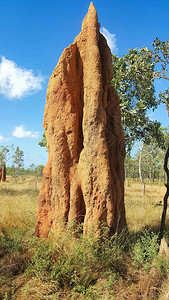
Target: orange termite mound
84 175
3 172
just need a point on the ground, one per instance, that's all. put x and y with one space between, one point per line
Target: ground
124 267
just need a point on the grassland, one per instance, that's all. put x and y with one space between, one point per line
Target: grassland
124 267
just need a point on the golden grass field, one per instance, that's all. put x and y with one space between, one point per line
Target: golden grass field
18 201
144 210
18 204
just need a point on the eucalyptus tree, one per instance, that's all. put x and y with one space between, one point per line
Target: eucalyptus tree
133 78
18 161
39 170
161 62
43 142
5 153
161 59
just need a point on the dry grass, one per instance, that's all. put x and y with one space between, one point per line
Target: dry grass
18 203
144 211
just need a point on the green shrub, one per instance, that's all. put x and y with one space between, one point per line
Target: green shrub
41 257
12 241
162 264
75 264
145 249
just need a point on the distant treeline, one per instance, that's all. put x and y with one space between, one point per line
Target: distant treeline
37 171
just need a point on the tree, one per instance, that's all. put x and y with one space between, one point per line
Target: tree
4 156
133 78
43 142
161 59
18 161
39 170
32 168
148 159
5 153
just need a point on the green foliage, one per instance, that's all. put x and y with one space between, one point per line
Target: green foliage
5 153
75 263
145 249
39 170
161 60
152 159
161 57
43 142
41 251
162 264
133 78
84 268
18 161
11 241
32 167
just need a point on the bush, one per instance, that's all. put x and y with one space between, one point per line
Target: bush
145 249
12 241
76 264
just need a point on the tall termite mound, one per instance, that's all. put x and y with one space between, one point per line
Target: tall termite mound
84 176
3 172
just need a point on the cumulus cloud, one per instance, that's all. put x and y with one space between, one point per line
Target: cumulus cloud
3 139
20 132
16 82
111 39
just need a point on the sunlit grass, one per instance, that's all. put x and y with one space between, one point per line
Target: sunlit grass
109 274
18 202
143 211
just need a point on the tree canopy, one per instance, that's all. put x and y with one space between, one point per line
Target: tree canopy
18 161
133 77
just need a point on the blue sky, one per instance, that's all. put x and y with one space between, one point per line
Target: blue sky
33 35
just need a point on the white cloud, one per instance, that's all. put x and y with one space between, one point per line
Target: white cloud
20 132
3 139
111 40
17 82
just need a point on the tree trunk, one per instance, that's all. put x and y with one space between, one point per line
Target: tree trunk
162 228
150 177
140 171
164 177
153 172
